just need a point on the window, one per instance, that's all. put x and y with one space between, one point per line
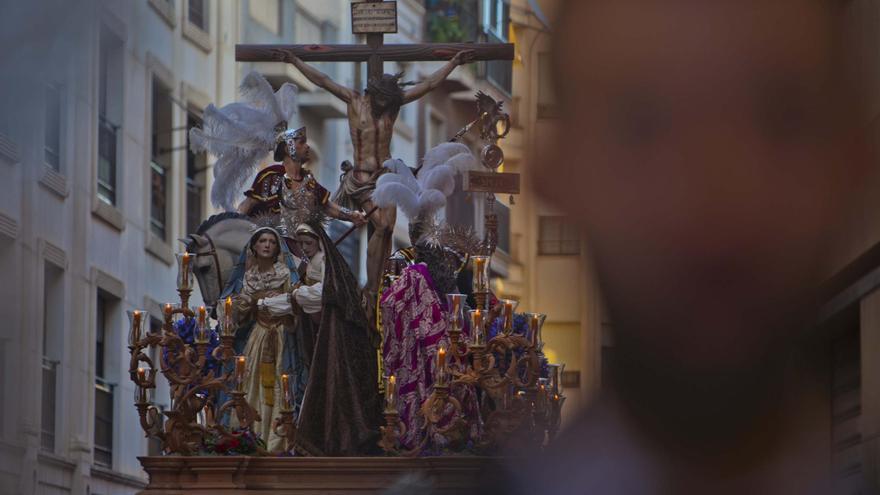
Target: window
557 236
47 434
53 331
103 450
496 18
100 335
52 128
160 159
198 14
496 23
546 93
452 21
196 164
109 115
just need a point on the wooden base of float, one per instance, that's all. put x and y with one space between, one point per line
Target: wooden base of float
180 475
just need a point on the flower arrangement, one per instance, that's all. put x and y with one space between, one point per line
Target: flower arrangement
242 442
185 329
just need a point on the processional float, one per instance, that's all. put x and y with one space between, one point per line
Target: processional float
209 412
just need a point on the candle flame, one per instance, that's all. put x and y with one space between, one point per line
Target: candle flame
392 380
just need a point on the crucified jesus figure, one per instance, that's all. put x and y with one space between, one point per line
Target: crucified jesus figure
371 117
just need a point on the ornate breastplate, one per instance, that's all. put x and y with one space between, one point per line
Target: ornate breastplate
300 203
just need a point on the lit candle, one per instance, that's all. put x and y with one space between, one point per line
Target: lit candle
285 389
554 378
508 316
534 326
391 392
201 326
481 275
226 324
454 303
185 268
140 391
168 311
477 327
441 366
239 372
135 335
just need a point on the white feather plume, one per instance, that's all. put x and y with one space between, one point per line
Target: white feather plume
442 153
426 194
241 134
396 194
287 97
256 91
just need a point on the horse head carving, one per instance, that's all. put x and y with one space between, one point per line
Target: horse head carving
217 244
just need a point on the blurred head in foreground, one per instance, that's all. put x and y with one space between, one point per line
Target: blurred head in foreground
715 150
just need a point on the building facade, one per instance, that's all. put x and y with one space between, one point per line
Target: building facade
97 186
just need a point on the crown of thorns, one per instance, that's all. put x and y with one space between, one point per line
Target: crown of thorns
388 84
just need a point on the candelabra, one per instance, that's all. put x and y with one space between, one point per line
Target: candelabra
197 389
284 425
394 428
519 403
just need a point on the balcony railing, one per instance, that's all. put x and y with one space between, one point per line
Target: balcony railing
103 450
47 426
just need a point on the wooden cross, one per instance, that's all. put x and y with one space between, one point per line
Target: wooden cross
375 53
